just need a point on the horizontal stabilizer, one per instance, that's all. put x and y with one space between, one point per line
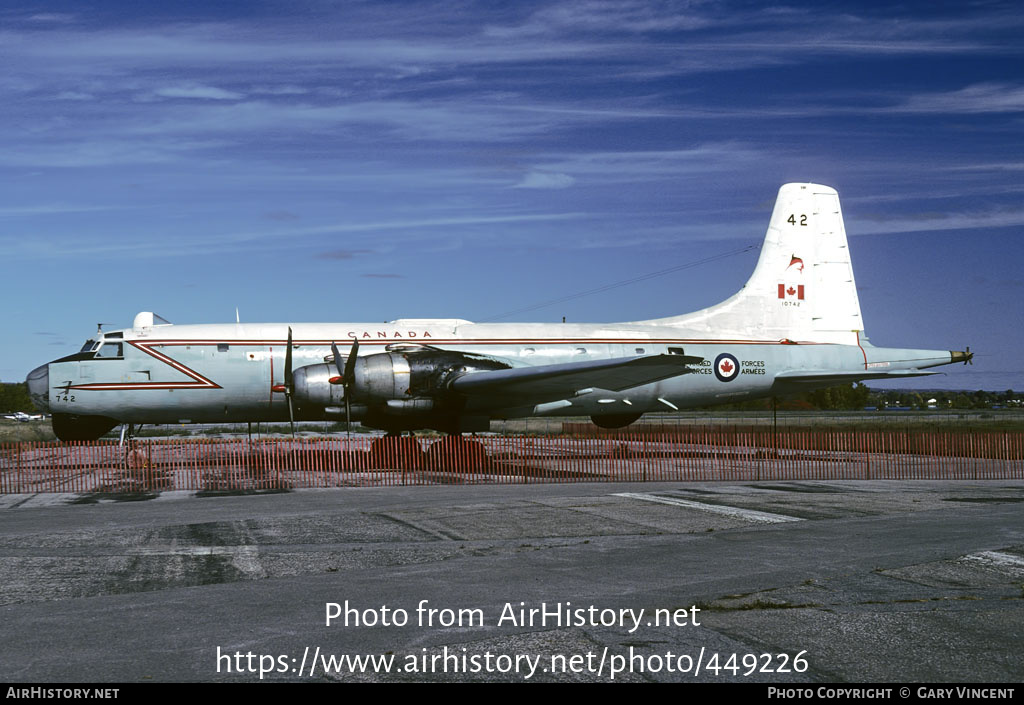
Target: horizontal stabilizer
551 382
820 378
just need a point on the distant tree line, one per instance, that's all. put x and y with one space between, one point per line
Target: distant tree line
936 399
859 396
14 397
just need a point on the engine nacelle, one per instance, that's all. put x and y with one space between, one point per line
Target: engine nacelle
313 386
381 377
401 382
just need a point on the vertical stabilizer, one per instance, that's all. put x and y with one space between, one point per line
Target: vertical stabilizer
802 288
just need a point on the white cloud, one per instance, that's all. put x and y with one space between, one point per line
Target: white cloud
74 95
399 230
102 151
540 179
616 16
54 17
198 92
617 167
49 209
925 222
977 98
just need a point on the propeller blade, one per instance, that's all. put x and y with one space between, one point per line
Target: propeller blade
348 422
289 378
291 414
337 360
347 378
289 381
348 372
350 364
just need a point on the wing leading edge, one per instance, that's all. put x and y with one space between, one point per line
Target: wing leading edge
562 381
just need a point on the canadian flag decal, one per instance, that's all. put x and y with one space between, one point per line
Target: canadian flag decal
788 291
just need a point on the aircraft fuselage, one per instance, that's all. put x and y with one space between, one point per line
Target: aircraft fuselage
220 373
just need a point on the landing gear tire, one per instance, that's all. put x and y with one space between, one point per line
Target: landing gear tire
457 454
397 453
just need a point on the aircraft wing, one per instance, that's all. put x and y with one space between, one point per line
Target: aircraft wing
552 382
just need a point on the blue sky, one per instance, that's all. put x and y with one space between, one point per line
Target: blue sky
318 161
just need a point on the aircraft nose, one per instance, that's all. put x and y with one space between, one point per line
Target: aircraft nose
38 381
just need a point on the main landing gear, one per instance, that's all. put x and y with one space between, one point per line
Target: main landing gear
456 453
396 451
453 453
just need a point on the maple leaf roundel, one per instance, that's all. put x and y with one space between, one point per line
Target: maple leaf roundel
727 367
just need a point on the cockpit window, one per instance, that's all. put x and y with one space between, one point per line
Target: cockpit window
89 345
110 351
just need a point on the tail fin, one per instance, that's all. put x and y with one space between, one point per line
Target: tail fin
802 288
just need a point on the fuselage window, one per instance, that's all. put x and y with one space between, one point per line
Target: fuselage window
639 351
222 347
110 351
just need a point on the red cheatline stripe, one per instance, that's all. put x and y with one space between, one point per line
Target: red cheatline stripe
463 341
198 381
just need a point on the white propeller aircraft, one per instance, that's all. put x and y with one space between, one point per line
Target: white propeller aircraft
795 325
